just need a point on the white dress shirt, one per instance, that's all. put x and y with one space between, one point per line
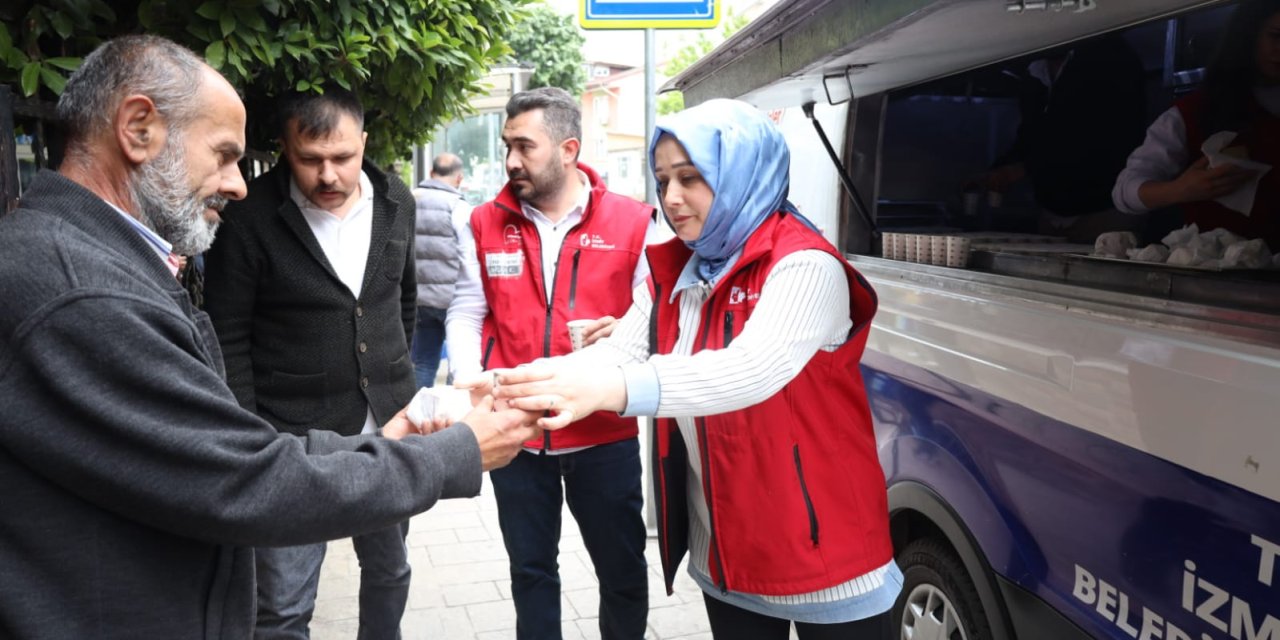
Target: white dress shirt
345 242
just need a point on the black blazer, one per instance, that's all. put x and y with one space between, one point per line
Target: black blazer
300 350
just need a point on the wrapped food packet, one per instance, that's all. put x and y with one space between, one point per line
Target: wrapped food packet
1150 253
1184 256
1251 254
438 402
1223 237
1180 237
1114 244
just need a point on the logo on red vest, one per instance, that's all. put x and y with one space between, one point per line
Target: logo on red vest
738 295
510 234
594 241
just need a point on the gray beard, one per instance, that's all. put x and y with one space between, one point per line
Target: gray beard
159 189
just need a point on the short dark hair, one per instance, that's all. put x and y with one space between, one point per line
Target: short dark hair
317 114
561 114
446 164
166 72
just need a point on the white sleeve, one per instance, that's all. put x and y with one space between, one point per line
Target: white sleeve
1162 156
804 307
467 311
651 236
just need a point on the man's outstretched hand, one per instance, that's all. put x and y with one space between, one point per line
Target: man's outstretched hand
500 433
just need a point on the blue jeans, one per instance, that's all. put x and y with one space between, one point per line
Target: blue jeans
602 487
428 338
288 577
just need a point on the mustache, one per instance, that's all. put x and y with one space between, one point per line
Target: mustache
216 202
518 174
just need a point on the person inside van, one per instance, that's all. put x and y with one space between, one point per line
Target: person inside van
1241 94
1083 111
745 345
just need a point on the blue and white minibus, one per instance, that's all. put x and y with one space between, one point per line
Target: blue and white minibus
1074 447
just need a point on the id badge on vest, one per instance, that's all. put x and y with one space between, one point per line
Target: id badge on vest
504 265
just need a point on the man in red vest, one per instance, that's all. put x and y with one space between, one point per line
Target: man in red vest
556 246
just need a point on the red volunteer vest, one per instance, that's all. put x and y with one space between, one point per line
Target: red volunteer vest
1261 136
592 279
793 484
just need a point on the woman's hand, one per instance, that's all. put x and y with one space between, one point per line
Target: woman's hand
566 395
1199 182
478 385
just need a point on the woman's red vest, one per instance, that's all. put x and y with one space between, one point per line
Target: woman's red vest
1261 136
793 484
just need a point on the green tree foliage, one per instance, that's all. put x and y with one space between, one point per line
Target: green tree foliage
673 101
551 43
413 63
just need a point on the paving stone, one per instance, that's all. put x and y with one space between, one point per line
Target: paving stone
461 587
464 594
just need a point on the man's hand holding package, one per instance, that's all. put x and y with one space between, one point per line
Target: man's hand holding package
565 393
500 433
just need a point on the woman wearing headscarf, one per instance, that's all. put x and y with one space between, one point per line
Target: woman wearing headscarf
745 345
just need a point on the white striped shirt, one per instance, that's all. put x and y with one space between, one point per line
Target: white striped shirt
803 307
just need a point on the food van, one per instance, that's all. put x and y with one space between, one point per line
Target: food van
1074 447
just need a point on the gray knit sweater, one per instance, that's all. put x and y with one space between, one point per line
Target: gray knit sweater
134 483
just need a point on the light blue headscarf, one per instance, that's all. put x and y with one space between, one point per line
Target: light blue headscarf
744 159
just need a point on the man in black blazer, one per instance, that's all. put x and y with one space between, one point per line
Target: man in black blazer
311 289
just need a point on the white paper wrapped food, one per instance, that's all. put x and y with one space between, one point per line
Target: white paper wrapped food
1184 256
1206 246
1180 237
433 402
1250 254
1151 253
1114 244
1224 238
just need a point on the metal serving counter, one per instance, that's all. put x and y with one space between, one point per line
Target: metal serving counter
1243 304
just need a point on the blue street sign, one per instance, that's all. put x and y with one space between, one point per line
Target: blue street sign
649 14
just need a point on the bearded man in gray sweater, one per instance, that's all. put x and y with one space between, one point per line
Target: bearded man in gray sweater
135 486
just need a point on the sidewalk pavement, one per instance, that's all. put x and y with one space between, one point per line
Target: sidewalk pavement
461 587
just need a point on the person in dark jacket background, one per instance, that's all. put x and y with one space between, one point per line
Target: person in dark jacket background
1083 110
312 292
135 486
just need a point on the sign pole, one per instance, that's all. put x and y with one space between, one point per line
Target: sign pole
650 112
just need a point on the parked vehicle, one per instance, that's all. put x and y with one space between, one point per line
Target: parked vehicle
1075 447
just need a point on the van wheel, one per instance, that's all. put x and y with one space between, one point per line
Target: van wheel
938 599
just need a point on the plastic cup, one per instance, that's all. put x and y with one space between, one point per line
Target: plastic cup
995 199
909 243
923 247
578 331
887 249
971 199
958 250
937 250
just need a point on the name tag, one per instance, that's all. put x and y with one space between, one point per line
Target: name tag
504 265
